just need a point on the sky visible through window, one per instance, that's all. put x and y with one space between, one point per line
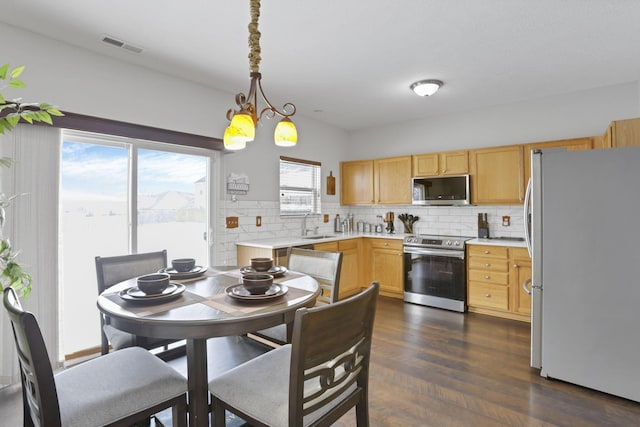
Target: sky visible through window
100 172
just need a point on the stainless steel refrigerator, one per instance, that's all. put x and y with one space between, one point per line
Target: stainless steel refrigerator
582 223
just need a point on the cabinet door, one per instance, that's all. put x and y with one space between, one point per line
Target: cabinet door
454 163
425 164
626 133
386 266
520 271
497 175
356 183
350 272
574 144
393 180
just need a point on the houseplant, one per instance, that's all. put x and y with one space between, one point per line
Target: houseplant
11 113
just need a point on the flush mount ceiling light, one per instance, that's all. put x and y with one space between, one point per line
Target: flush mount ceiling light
426 87
244 120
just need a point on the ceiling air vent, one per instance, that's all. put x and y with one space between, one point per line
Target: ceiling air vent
120 43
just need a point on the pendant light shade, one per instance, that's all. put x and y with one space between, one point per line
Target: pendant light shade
242 126
232 141
426 87
286 134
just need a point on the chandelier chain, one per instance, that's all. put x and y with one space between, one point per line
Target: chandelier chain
254 38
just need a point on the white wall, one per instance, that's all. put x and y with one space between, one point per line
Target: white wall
573 115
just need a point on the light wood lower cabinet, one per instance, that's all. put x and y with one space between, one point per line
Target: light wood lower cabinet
494 281
385 265
351 249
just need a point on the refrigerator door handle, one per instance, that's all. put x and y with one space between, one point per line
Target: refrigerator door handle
526 285
527 209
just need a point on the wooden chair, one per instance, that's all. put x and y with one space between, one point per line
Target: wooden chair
118 389
325 268
115 269
314 380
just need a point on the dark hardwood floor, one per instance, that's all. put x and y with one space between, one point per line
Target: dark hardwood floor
434 367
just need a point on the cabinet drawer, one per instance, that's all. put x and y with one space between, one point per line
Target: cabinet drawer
487 251
344 245
488 264
488 295
386 244
496 277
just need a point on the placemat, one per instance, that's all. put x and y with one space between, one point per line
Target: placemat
147 309
225 303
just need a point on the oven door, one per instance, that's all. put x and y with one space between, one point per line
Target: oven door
435 277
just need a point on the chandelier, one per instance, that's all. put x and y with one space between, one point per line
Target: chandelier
245 118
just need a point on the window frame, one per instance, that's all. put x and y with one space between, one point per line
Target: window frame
315 207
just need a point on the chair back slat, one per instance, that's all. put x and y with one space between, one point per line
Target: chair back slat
39 394
331 347
323 266
112 270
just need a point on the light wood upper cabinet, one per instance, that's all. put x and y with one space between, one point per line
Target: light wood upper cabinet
497 175
446 163
574 144
625 133
384 181
392 177
356 182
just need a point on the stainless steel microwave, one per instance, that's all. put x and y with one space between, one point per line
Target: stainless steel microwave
441 190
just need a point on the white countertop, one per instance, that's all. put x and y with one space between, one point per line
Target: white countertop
498 242
285 242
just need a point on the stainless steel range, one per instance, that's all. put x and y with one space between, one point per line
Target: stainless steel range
435 271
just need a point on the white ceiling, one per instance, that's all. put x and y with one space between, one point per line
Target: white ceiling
350 62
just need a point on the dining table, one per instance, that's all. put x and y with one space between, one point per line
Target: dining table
206 306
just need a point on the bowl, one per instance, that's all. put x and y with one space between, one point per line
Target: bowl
152 284
261 264
257 283
183 265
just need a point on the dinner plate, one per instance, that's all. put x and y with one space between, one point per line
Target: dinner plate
241 293
134 294
275 271
196 271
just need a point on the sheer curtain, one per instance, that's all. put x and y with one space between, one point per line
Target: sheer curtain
32 227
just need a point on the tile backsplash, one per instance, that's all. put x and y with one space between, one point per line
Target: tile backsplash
444 220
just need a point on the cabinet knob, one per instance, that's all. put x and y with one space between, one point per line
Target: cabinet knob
515 265
386 244
487 277
487 252
488 296
487 265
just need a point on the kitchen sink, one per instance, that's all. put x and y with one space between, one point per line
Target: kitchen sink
321 236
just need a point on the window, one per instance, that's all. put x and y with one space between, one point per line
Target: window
299 187
121 195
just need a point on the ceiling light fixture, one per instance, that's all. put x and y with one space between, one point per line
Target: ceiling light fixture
244 120
426 87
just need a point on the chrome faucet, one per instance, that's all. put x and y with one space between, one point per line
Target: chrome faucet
304 224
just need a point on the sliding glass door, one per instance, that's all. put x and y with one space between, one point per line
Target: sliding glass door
120 196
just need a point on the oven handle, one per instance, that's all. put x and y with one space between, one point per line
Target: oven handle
436 252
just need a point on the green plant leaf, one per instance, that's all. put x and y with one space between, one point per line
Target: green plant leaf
15 73
2 100
16 83
45 117
3 71
13 119
26 116
6 161
55 112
